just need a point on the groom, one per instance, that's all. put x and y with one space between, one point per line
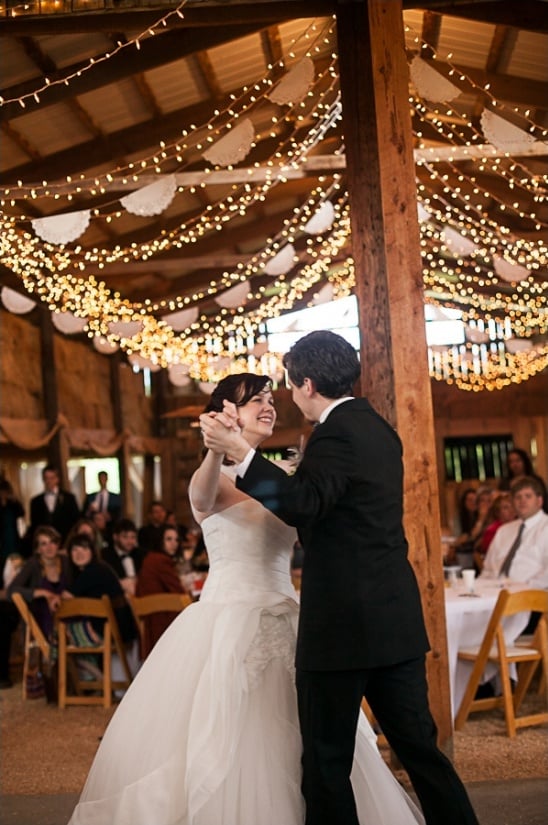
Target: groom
361 629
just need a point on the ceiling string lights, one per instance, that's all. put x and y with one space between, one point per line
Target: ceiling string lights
471 261
35 95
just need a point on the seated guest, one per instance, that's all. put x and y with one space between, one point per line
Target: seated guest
149 533
474 506
86 525
124 554
519 549
44 578
501 512
92 578
158 574
518 466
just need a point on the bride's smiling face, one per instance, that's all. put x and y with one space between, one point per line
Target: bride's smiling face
257 417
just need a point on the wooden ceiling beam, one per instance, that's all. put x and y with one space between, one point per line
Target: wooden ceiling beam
154 52
204 15
527 14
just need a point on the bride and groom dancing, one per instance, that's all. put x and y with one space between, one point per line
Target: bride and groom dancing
212 731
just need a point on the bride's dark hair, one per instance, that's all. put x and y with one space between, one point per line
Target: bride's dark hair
238 388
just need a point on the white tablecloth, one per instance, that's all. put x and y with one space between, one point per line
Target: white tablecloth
467 618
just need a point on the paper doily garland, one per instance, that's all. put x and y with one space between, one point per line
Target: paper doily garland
430 84
321 220
504 135
15 302
182 319
282 262
68 323
295 84
509 271
233 147
457 243
64 228
151 199
236 296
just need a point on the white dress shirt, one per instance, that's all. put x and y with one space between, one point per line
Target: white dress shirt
128 564
530 563
50 498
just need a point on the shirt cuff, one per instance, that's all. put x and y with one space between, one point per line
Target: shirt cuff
242 468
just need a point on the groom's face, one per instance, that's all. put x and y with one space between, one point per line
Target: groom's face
301 397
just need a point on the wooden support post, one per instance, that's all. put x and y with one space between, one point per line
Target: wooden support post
123 453
386 251
57 449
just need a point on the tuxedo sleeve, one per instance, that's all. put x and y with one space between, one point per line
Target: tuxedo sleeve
319 482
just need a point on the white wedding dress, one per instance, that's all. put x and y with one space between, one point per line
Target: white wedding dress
208 733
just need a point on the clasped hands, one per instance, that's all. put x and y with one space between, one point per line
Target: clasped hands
221 432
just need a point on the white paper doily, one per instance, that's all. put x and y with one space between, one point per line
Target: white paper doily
62 228
457 243
233 147
236 296
178 375
475 335
509 271
104 346
504 135
151 199
15 302
515 345
125 329
321 220
68 323
295 84
324 295
282 262
429 83
181 319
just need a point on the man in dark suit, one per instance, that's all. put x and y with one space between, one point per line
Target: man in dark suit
103 501
361 628
54 507
124 554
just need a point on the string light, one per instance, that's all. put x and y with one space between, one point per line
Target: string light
93 61
450 279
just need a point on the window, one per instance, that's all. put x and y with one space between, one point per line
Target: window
477 457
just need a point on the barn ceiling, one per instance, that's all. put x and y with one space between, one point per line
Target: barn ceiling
196 156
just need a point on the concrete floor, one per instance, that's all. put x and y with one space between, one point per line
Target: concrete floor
518 802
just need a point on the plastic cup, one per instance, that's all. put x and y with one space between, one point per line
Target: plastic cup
468 577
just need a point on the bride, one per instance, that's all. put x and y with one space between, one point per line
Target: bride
208 732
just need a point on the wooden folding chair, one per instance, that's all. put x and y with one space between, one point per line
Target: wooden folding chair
34 639
494 649
142 606
84 608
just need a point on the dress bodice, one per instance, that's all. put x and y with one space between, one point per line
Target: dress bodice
249 554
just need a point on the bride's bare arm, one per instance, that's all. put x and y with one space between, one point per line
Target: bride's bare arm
205 483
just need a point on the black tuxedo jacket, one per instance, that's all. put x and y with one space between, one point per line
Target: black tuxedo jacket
63 517
111 557
360 603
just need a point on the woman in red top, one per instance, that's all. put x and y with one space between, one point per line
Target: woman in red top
158 574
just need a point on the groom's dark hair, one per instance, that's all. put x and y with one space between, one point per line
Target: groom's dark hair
327 359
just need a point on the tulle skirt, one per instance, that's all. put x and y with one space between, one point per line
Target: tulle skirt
208 732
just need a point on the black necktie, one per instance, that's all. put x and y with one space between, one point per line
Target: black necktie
507 563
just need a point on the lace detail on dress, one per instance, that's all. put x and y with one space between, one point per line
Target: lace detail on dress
275 639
